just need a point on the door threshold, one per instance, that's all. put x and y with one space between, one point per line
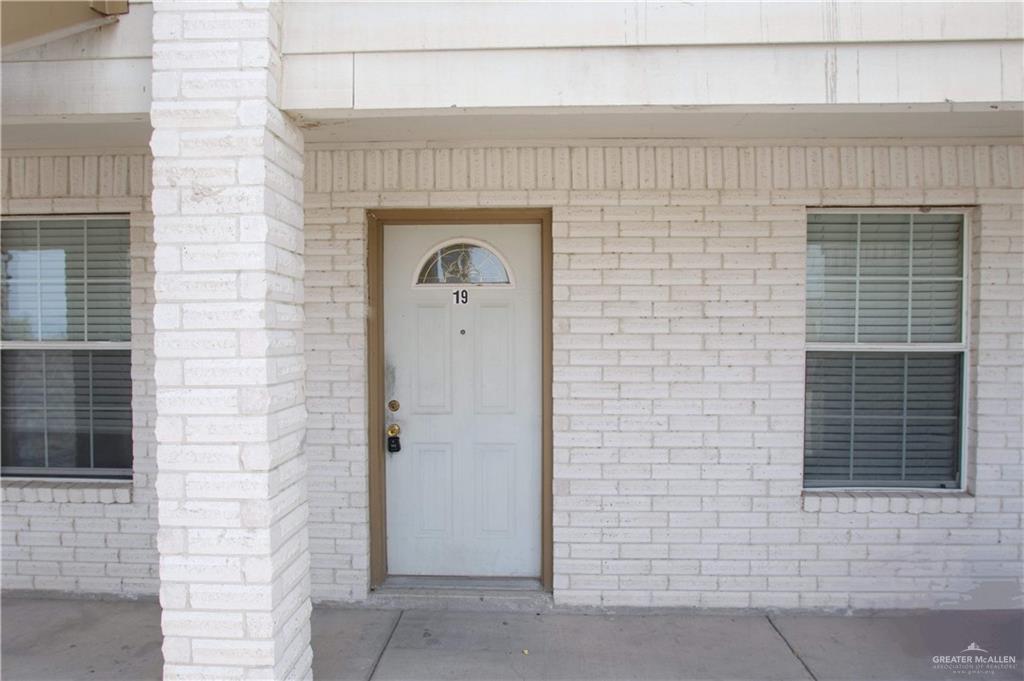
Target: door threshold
486 594
462 583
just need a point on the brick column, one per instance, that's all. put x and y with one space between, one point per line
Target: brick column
227 199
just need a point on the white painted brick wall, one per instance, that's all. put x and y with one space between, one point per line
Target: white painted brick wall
679 380
230 369
679 344
80 536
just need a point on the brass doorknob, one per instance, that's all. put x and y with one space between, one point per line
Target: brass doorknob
394 430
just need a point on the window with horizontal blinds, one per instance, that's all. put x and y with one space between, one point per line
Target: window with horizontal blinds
65 336
65 280
885 350
66 409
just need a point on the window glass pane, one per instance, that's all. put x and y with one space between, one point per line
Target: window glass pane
830 311
108 249
938 245
67 379
20 249
66 280
879 384
882 314
831 246
902 411
112 438
67 409
22 379
904 266
933 390
107 305
829 384
463 264
827 428
62 249
111 380
827 450
932 450
23 437
20 309
884 245
935 312
67 438
62 310
895 415
19 257
112 409
877 449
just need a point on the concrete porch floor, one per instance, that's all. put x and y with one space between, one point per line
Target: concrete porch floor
80 639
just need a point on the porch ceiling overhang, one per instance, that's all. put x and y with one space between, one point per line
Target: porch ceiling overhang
996 120
976 119
960 80
27 23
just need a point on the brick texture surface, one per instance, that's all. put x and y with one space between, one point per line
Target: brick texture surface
87 537
228 324
679 342
678 369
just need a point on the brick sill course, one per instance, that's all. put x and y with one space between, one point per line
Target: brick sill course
881 501
71 491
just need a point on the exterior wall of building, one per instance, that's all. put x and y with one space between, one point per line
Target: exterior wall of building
101 71
80 536
679 340
361 57
679 369
312 27
355 59
489 79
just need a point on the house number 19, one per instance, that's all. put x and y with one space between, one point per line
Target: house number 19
461 296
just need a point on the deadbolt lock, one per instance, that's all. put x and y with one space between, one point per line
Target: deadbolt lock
393 405
394 444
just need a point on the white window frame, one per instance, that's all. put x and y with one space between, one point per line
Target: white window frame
962 347
73 474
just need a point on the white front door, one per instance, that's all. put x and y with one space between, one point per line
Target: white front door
462 347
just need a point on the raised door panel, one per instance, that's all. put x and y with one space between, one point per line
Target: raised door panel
432 388
496 474
494 380
434 475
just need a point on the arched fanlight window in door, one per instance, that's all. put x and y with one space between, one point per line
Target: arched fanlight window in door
463 261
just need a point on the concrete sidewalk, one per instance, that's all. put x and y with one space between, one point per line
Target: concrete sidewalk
101 640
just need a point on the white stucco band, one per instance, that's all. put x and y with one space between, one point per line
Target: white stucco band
678 377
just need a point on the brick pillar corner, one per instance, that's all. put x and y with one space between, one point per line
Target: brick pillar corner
227 203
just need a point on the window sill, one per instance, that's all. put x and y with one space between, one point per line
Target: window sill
883 501
78 491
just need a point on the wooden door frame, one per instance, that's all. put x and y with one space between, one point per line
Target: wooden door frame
376 219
